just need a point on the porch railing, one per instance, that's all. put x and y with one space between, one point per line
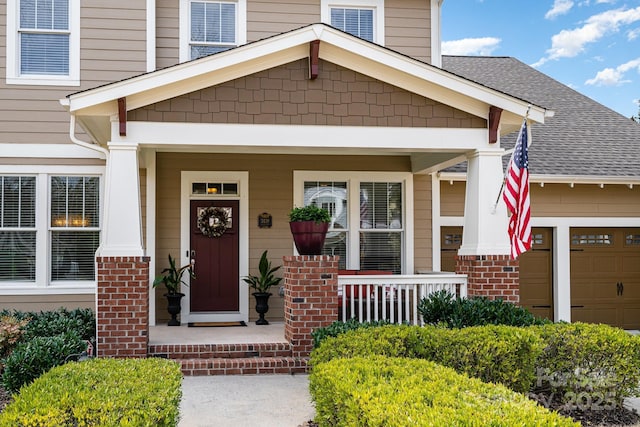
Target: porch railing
392 297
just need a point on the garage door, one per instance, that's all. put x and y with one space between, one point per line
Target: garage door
605 276
536 272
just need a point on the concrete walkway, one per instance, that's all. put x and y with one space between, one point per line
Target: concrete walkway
246 400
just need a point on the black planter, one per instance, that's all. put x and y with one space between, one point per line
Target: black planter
309 236
174 307
262 306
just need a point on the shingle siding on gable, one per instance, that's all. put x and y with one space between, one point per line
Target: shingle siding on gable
285 95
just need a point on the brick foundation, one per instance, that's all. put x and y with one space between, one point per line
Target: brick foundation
122 306
310 299
492 276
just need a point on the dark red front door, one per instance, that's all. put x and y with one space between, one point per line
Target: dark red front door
215 287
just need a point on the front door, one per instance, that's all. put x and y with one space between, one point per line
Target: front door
216 285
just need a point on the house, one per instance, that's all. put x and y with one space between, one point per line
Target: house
139 115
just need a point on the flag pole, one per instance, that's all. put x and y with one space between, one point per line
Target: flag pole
504 178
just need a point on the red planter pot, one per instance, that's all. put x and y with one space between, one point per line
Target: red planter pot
309 236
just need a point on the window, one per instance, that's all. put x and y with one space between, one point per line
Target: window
49 230
17 228
75 235
43 42
368 217
361 18
208 27
358 22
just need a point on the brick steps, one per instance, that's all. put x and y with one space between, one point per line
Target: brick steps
244 366
232 359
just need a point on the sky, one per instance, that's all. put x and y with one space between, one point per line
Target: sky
592 46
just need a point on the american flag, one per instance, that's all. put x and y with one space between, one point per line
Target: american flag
516 196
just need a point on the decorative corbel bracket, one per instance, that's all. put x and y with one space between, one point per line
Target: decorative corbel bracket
314 52
122 115
494 123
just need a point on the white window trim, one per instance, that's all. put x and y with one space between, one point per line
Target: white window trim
376 5
185 26
13 64
353 179
42 284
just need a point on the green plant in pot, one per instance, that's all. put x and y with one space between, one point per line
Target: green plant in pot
261 284
309 225
172 277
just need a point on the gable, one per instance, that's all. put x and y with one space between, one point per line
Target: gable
285 95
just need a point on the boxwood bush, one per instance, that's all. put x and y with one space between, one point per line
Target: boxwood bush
32 358
392 392
442 308
100 392
494 353
588 364
339 327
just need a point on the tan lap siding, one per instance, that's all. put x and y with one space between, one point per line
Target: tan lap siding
270 190
408 27
47 302
267 18
112 48
559 200
422 223
167 32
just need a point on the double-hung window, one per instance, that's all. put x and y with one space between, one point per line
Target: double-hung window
75 222
49 231
370 217
211 26
43 42
361 18
17 228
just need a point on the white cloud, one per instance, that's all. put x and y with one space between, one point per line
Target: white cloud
560 7
614 76
471 46
633 34
570 43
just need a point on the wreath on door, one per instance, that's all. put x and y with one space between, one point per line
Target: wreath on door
213 221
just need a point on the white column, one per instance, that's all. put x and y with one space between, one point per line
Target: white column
122 226
485 228
562 278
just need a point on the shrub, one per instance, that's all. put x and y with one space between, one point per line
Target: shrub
500 354
50 323
442 308
337 328
100 392
587 364
394 392
11 331
32 358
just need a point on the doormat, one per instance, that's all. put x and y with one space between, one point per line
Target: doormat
215 324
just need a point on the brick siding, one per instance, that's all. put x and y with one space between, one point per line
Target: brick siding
491 276
122 306
311 298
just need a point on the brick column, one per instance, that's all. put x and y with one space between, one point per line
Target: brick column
122 306
310 298
492 276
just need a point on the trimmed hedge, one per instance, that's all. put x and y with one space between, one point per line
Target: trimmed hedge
498 354
391 392
588 364
100 392
32 358
339 327
442 308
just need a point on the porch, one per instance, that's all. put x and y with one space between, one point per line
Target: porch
283 347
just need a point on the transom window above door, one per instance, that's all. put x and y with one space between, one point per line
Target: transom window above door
208 27
361 18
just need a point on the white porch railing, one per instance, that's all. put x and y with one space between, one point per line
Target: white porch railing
393 297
